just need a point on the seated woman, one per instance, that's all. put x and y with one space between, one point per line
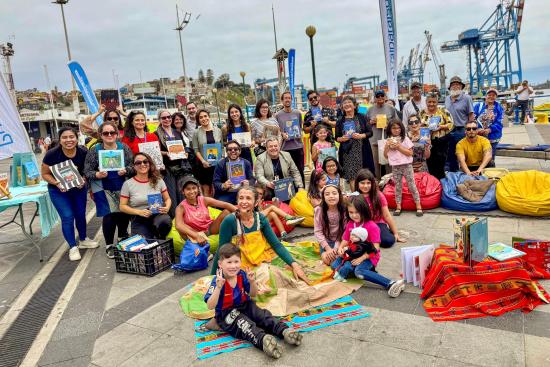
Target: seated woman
137 195
225 187
192 216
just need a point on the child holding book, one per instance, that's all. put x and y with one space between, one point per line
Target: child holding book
317 181
322 134
333 171
357 246
398 151
230 294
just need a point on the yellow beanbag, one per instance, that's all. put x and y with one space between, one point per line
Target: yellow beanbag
525 193
178 241
302 208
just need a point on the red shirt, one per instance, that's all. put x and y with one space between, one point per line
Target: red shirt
133 145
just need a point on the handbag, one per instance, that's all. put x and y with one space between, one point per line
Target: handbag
193 257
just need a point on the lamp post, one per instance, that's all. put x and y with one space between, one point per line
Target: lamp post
243 74
215 91
179 28
310 32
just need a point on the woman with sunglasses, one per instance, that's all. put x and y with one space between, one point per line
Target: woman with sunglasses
440 123
89 127
236 124
421 149
174 168
206 133
106 185
263 127
135 131
229 171
148 220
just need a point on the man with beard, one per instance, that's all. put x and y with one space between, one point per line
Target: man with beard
191 119
474 151
318 115
461 108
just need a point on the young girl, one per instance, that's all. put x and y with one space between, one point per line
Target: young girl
317 181
333 172
398 151
329 222
363 267
321 133
368 188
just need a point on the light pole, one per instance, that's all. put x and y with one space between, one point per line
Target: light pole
310 32
215 91
243 74
179 28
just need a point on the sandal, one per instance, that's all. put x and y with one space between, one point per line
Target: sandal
397 212
419 213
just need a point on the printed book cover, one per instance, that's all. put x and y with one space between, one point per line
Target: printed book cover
479 240
176 149
244 139
381 121
292 128
109 98
501 252
349 128
433 122
424 135
327 152
235 172
284 189
111 160
212 153
31 170
155 202
67 174
316 114
153 149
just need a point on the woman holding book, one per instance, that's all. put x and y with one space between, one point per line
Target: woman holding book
421 145
264 126
146 199
135 131
237 124
174 157
106 185
68 200
205 134
231 173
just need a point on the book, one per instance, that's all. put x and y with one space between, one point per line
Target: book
458 229
424 135
155 202
176 149
471 239
235 172
132 241
244 139
32 170
316 114
324 153
537 252
109 98
67 174
349 128
292 128
415 263
153 149
433 122
284 189
270 132
212 153
499 251
111 160
381 121
4 185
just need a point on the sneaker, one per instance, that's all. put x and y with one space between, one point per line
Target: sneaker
396 288
110 250
74 254
272 347
293 221
283 236
338 277
88 243
292 337
210 257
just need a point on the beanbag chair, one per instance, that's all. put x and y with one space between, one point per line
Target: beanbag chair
451 199
287 209
178 241
428 187
302 208
525 193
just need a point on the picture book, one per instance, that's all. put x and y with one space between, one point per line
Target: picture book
4 185
284 189
155 202
479 240
324 153
537 252
415 263
235 172
109 98
67 174
153 149
316 114
19 175
31 170
212 153
433 122
111 160
363 109
349 128
292 128
176 149
244 139
458 228
270 132
424 135
131 243
499 251
381 121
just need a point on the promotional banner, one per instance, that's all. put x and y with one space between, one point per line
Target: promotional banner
82 82
291 70
13 136
389 35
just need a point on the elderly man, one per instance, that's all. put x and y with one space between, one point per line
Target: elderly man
474 151
275 165
461 108
231 173
523 92
415 105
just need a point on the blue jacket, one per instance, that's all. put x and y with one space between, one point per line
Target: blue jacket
496 125
220 174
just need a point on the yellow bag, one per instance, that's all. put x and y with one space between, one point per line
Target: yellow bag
525 193
178 241
302 208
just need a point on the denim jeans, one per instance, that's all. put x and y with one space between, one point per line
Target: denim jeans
454 137
361 271
71 207
387 238
330 243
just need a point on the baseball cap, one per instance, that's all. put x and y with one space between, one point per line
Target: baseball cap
188 180
416 85
379 93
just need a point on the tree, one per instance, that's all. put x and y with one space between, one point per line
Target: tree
202 79
223 81
209 77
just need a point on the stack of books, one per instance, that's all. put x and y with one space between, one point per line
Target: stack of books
135 244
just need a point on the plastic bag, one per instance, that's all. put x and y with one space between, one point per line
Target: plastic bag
193 257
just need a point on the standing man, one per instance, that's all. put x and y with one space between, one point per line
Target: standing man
290 123
416 104
474 151
523 92
191 119
461 108
379 115
318 115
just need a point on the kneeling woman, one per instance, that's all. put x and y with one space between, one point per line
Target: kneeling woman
137 198
252 232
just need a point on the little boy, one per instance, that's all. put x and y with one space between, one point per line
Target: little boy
356 248
230 294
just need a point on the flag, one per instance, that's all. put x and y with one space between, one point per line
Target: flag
389 36
13 136
291 71
82 81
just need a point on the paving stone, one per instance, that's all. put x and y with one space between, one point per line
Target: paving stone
160 317
166 351
511 321
78 325
537 351
69 348
537 323
75 362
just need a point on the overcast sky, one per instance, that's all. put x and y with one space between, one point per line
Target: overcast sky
229 36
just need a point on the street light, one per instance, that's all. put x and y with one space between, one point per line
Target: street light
215 91
179 28
243 74
310 32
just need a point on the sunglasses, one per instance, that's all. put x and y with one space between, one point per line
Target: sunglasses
471 128
108 133
313 98
166 117
414 122
141 163
111 118
233 149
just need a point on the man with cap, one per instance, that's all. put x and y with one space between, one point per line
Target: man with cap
461 108
379 115
414 105
523 92
489 114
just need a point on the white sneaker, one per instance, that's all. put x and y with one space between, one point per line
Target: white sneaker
88 243
396 288
74 254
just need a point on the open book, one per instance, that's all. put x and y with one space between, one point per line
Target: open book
415 263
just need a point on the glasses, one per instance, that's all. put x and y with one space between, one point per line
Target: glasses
414 122
108 133
166 117
141 163
233 149
313 98
112 118
471 128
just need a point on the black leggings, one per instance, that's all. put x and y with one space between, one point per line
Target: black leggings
387 238
298 158
113 221
156 226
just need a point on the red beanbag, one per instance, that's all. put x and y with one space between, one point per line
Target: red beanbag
287 209
428 187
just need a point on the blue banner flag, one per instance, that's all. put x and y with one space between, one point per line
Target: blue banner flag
291 71
85 88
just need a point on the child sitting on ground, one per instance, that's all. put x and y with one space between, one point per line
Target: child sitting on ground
317 181
357 246
274 213
230 294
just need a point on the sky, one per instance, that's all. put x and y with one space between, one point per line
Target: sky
137 37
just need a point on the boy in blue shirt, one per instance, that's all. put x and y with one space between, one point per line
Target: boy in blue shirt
230 294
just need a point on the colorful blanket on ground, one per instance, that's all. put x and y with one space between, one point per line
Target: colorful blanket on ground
455 291
210 343
278 290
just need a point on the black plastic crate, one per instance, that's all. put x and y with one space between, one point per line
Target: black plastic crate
146 262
